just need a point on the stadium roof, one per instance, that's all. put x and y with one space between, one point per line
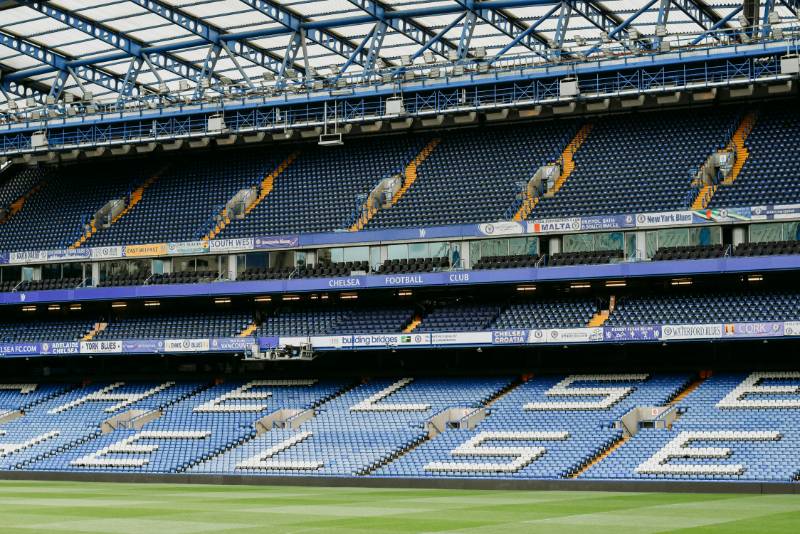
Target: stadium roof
132 47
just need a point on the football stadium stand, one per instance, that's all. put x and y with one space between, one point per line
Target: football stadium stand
628 163
736 427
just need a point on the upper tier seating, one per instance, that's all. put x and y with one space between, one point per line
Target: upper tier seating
629 163
53 217
182 203
176 326
763 440
699 308
640 162
547 313
693 252
769 175
474 176
319 191
20 183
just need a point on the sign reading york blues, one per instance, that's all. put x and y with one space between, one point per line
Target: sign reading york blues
631 333
101 347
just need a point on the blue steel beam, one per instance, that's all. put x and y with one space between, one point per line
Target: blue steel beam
293 22
510 26
378 33
60 63
768 6
700 13
523 34
466 34
406 26
130 46
624 25
563 24
213 35
722 22
603 19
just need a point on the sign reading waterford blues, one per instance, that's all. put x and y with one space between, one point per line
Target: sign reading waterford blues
691 331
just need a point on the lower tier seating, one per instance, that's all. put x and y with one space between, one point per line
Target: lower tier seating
729 427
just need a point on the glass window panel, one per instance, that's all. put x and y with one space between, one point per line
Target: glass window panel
418 250
578 242
673 237
397 252
494 247
337 255
760 233
356 254
630 246
651 243
455 255
375 256
791 231
609 241
474 252
438 249
323 255
518 246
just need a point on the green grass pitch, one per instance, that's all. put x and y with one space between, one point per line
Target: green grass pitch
64 507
